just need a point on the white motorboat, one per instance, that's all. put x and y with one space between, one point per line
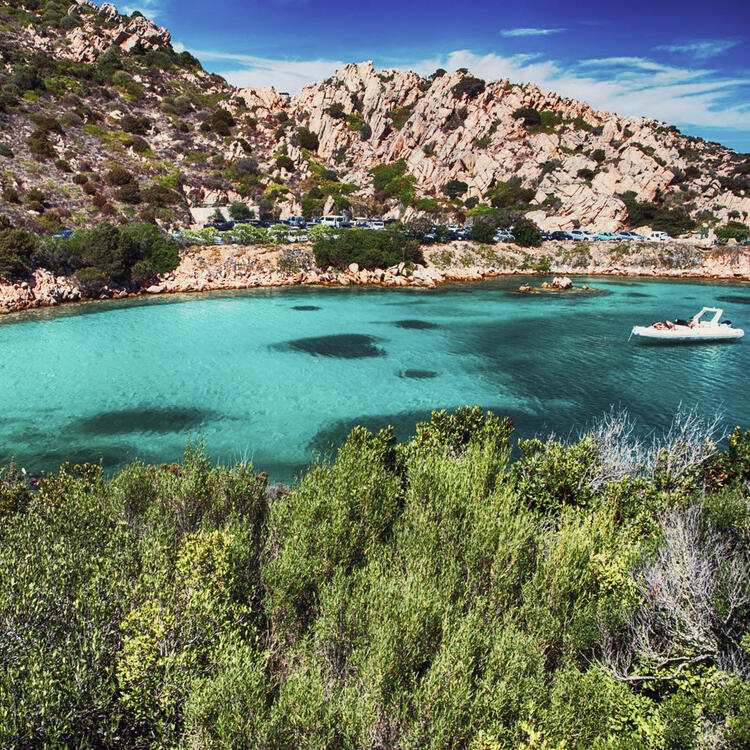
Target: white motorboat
699 328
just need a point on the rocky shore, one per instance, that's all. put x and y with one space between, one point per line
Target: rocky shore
246 267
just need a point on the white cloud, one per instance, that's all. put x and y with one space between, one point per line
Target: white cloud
529 32
630 86
701 48
153 9
261 72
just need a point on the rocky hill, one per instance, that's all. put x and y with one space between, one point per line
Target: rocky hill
102 118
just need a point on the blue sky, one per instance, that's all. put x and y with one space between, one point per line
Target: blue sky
686 63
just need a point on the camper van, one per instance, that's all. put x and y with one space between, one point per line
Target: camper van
332 221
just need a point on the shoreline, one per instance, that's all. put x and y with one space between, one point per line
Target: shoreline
234 268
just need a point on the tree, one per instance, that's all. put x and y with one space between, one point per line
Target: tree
454 188
307 139
469 87
240 212
483 229
16 248
529 115
526 233
217 215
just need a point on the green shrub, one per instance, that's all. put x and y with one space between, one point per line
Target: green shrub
368 248
307 139
239 211
673 221
454 188
483 229
119 176
530 116
284 162
16 248
6 150
365 132
400 115
392 181
526 233
469 87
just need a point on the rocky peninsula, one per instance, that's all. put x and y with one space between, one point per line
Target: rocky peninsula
209 268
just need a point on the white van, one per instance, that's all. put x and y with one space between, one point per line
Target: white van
581 234
376 224
657 237
332 221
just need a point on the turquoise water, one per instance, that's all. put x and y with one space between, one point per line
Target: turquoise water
278 376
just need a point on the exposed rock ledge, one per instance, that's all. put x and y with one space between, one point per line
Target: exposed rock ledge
245 267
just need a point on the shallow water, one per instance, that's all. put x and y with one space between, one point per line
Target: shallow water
278 376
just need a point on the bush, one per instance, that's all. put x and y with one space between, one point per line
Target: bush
335 110
119 176
108 253
598 155
585 174
368 248
80 178
430 593
469 87
365 132
526 233
454 188
284 162
16 248
135 125
6 150
221 121
244 168
529 115
641 213
239 211
392 181
307 139
483 229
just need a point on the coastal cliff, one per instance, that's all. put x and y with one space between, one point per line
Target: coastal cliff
250 266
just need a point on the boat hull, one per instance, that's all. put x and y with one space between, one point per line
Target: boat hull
717 333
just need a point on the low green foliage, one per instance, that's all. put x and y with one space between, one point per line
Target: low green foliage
673 221
527 234
392 181
17 246
108 253
367 248
430 594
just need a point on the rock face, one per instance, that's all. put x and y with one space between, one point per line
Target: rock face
573 163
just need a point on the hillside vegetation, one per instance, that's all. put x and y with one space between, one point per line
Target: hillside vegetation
432 594
102 119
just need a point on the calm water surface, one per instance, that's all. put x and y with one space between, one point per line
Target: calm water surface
278 376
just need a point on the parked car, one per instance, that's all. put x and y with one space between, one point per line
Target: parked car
657 237
297 221
376 224
581 234
605 237
559 235
63 235
503 234
630 236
